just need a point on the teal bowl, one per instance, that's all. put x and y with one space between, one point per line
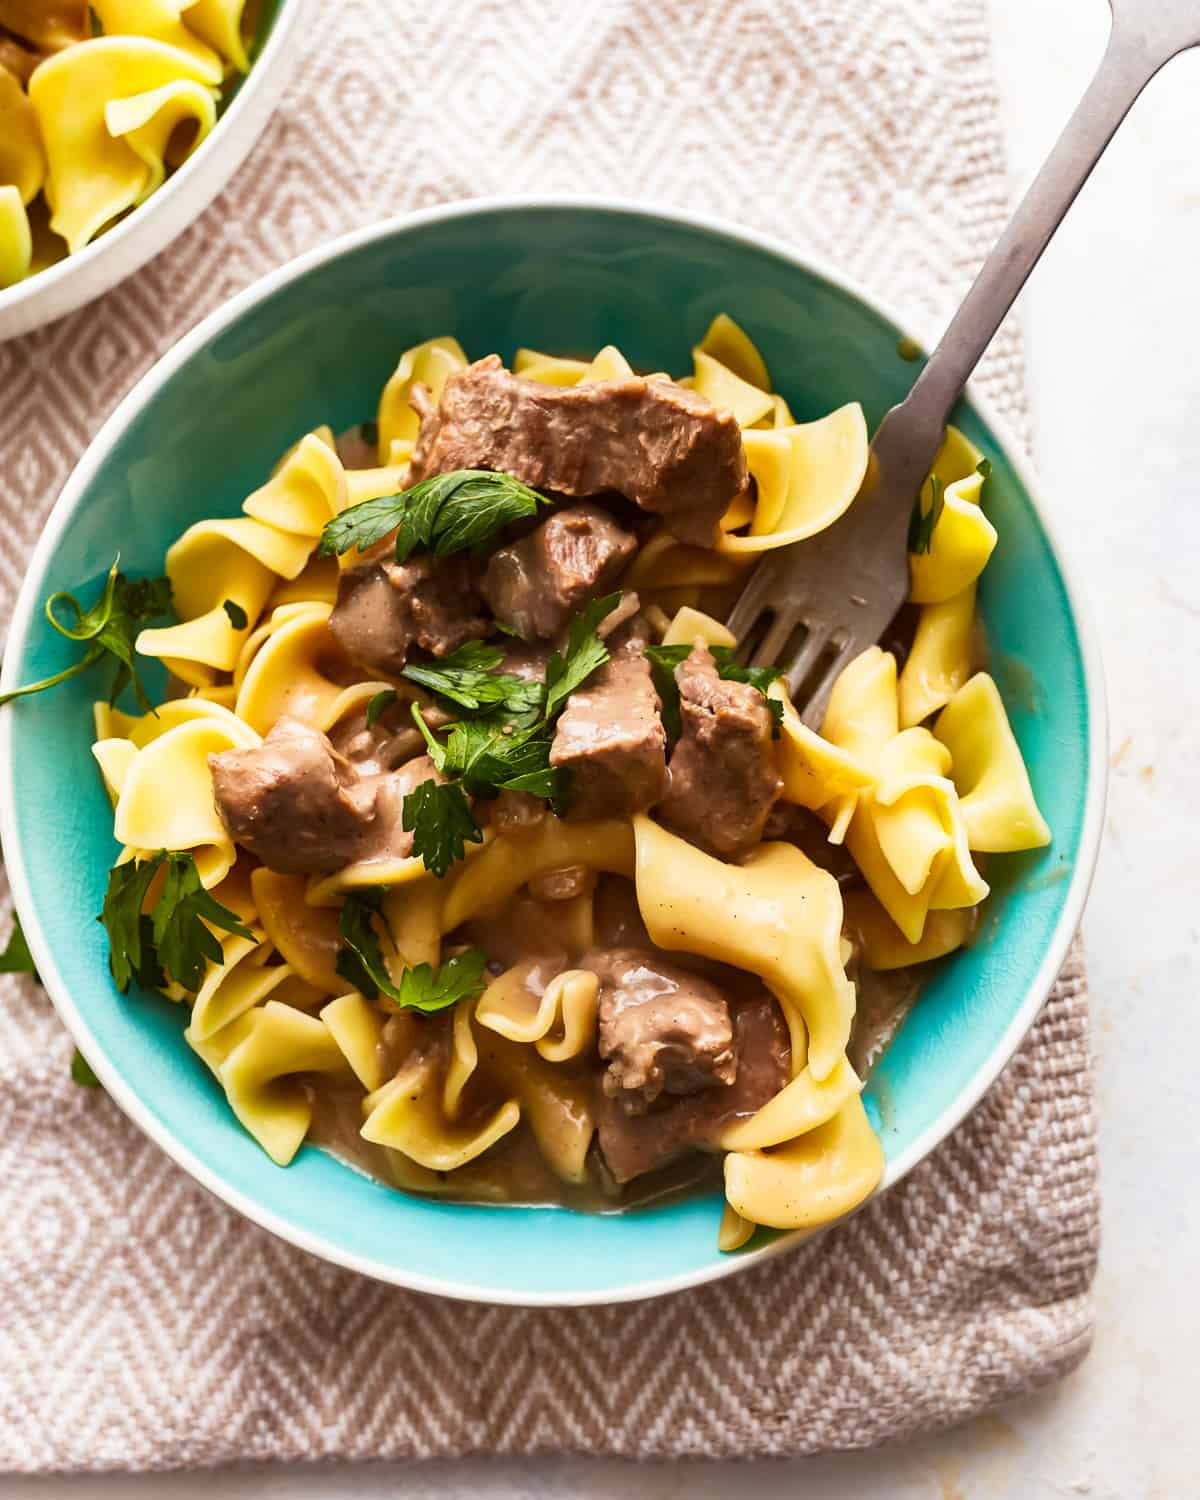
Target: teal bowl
314 342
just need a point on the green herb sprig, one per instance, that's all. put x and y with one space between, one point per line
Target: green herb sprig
16 958
442 515
504 745
109 629
361 963
174 940
921 526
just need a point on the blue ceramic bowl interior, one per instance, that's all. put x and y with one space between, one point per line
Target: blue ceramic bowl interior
318 349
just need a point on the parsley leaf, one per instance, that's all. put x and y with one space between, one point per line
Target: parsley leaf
362 963
440 819
16 958
379 705
459 978
81 1071
984 467
109 628
444 514
920 528
585 652
505 747
237 615
172 941
663 661
467 677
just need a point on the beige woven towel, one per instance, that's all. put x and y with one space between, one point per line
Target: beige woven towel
142 1323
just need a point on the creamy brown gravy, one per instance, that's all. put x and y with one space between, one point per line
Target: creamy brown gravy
514 1171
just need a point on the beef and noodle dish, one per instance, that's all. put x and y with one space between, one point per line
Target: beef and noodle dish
475 852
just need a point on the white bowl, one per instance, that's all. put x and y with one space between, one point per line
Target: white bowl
125 248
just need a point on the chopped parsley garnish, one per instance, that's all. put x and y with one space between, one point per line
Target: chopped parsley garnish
663 661
237 615
920 528
585 652
172 941
439 817
502 743
81 1071
468 678
16 958
379 705
984 467
361 963
108 629
447 513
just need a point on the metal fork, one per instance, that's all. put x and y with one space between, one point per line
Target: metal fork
812 607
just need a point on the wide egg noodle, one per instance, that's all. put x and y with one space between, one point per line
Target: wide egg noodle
236 561
307 938
939 660
16 237
806 476
512 860
776 915
286 677
963 538
22 159
240 981
998 806
408 1115
219 23
357 1027
166 800
559 1021
811 1180
161 20
92 176
257 1058
429 364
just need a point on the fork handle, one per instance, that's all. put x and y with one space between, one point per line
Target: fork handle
1145 35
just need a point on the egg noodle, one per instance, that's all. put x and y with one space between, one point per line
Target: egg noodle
915 773
97 104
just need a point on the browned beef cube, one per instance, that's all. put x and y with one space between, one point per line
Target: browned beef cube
633 1144
723 778
384 608
611 739
665 448
663 1030
535 585
301 808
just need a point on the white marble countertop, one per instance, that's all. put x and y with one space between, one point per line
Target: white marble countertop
1113 327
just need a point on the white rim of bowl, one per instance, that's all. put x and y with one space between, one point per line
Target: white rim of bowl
72 282
24 613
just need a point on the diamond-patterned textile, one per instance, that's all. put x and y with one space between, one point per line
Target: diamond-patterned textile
144 1325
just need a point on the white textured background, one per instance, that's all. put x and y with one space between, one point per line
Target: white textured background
1113 333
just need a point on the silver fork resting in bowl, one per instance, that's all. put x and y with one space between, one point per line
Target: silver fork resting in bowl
812 607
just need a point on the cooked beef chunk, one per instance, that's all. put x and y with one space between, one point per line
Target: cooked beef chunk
611 739
535 585
514 812
662 1029
633 1144
723 778
302 808
665 448
384 608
